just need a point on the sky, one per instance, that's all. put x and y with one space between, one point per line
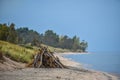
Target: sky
95 21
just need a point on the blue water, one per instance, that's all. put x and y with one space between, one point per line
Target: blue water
102 61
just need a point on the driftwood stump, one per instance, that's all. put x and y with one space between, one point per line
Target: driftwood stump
45 59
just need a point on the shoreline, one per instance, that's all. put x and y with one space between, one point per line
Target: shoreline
67 61
80 66
73 53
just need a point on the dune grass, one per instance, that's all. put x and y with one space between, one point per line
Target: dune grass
22 53
16 52
57 50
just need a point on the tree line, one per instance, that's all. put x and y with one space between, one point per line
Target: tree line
23 35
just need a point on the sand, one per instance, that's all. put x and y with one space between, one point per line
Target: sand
75 72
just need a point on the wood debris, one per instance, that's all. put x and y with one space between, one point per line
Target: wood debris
45 59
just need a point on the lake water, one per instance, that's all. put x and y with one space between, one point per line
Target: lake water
102 61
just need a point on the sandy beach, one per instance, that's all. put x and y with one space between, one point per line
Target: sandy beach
75 72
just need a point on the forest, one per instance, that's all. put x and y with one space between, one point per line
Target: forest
24 35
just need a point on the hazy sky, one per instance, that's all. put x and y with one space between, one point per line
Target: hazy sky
96 21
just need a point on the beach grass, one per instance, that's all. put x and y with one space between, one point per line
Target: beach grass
16 52
22 53
57 50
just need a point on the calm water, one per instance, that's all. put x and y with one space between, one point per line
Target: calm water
108 62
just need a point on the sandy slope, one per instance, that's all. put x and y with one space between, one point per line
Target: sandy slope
8 64
75 72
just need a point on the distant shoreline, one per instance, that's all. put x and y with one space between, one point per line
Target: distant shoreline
73 53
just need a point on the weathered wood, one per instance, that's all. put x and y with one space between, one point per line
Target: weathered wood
44 58
41 58
56 60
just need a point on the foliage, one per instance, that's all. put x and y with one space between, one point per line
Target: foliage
8 33
83 45
65 42
4 32
23 35
76 43
12 34
51 38
28 36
